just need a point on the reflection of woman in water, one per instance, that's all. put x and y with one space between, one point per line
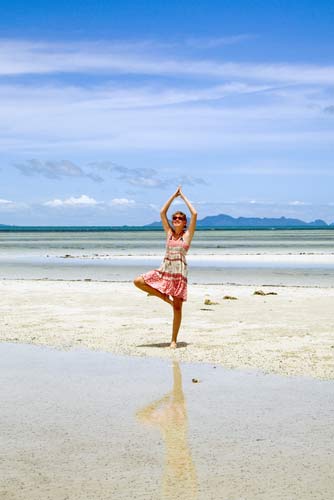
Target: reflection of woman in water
169 282
170 416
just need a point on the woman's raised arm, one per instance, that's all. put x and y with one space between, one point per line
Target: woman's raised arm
193 220
163 211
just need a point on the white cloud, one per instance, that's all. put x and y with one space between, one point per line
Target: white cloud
122 202
11 206
81 201
6 202
297 203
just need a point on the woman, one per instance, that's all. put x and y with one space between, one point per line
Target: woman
169 282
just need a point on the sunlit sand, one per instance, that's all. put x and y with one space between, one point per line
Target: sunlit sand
289 333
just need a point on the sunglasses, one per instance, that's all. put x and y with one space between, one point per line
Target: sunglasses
178 217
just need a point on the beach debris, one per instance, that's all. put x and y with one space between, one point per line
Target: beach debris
205 309
261 292
208 302
229 297
67 256
195 380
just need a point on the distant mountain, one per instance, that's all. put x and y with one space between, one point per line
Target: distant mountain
212 221
223 220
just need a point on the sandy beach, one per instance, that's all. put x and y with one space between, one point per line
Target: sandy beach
289 332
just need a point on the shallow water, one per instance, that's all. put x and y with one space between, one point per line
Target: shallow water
289 257
84 425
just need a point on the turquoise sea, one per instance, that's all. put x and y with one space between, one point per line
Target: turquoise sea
303 257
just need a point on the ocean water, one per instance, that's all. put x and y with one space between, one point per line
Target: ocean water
268 257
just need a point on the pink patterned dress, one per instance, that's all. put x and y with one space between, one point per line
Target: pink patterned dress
171 277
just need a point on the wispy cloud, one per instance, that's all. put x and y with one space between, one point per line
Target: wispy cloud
26 57
120 97
6 202
213 42
139 177
221 105
329 109
145 177
54 169
10 205
298 203
45 119
286 171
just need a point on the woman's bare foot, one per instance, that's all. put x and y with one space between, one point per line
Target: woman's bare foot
173 345
165 298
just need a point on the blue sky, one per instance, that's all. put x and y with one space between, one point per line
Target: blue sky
105 107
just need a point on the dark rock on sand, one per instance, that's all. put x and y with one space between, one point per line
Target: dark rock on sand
208 302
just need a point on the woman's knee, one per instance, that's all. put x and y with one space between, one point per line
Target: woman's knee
139 281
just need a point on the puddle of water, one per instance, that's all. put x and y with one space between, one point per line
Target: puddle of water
84 425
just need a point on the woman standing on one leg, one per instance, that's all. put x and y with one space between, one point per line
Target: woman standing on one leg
169 282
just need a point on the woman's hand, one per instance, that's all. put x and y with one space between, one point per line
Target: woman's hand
178 192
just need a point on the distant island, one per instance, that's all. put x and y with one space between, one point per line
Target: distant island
225 221
221 221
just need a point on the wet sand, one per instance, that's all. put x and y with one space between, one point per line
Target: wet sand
290 333
81 425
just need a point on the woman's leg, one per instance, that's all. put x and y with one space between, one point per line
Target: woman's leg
177 317
139 282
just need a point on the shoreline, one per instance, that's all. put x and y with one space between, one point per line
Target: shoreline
288 334
209 283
